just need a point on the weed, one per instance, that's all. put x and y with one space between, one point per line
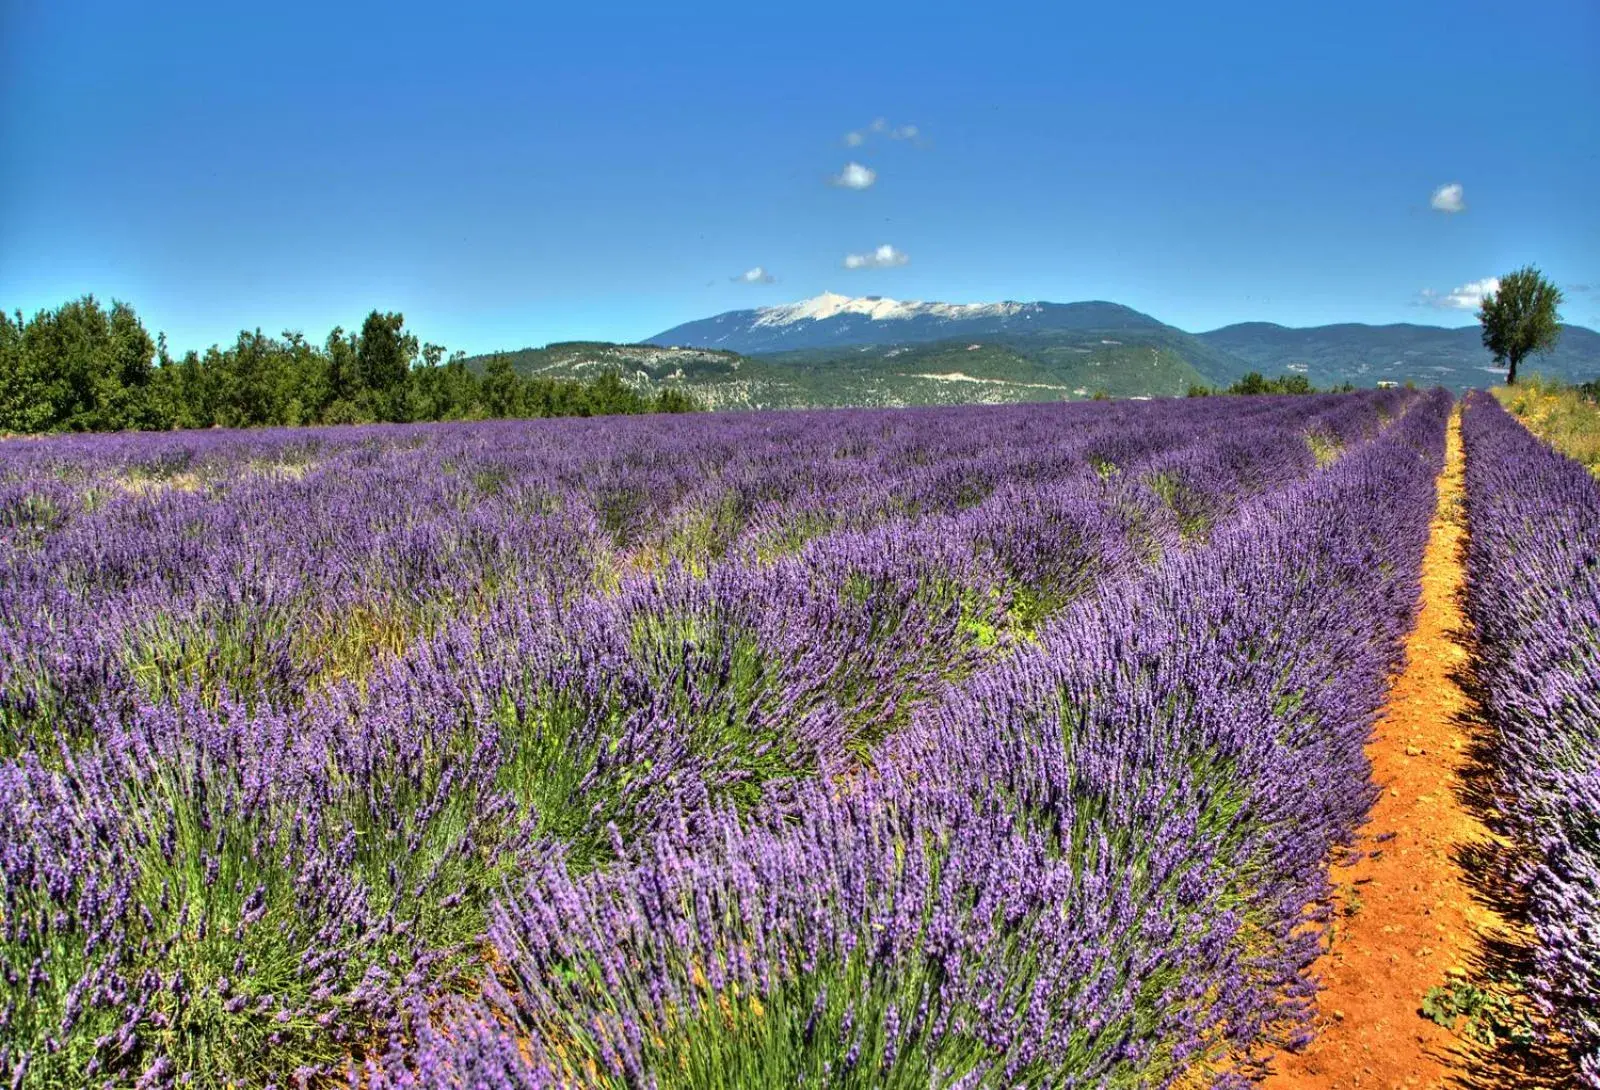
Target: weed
1492 1015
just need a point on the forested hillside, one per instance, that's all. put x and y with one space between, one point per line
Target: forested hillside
85 367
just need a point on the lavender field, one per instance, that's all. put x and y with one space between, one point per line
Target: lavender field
958 747
1535 600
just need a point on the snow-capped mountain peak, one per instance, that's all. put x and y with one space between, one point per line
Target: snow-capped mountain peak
878 308
831 321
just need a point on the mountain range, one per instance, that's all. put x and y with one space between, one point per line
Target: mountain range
868 350
1427 355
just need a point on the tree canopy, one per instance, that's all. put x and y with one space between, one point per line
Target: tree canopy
1520 317
1256 383
83 367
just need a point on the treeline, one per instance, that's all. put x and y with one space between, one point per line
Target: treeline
1256 383
83 367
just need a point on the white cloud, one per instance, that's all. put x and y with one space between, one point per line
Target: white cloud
881 127
1466 297
855 176
757 275
1449 198
883 257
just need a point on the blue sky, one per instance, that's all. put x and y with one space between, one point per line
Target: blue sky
512 174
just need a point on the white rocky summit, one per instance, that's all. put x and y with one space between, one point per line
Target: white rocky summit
879 309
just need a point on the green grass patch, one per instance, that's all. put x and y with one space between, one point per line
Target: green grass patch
1566 417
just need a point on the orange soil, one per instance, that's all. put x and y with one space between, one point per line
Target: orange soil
1406 918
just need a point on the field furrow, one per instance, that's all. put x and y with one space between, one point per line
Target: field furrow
1409 926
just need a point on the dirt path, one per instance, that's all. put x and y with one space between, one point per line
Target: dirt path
1406 917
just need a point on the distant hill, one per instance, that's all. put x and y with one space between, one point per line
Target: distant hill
995 372
939 373
586 359
1366 354
839 350
829 322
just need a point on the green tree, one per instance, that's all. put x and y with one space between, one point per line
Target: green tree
300 382
1256 383
502 389
673 400
441 391
244 381
1520 318
384 356
610 396
29 393
78 368
464 394
158 398
123 381
344 378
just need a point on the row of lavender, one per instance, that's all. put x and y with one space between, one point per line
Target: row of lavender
1089 865
266 563
224 859
1534 598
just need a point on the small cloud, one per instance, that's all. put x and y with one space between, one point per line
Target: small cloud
855 176
1449 198
883 257
757 275
1580 288
881 127
1466 297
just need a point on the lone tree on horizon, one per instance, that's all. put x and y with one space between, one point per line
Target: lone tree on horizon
1519 318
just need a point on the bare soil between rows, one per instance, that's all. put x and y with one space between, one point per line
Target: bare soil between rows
1414 908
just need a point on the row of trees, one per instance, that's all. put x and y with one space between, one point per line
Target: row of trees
83 367
1256 383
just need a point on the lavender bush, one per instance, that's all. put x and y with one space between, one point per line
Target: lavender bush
1534 598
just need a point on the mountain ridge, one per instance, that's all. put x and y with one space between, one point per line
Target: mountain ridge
1330 355
930 373
831 320
837 350
1357 352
